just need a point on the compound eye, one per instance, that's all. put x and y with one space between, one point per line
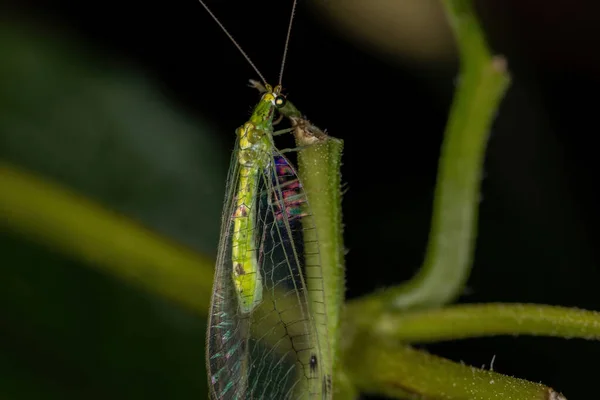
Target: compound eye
280 101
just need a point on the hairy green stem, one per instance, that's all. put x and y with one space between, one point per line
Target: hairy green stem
386 367
319 162
476 320
482 82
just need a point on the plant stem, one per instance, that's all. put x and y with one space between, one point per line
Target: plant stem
319 162
110 242
385 367
483 80
476 320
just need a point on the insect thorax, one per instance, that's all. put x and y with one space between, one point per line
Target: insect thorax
254 145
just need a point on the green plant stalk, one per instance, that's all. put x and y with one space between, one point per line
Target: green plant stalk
453 232
319 162
113 244
319 168
483 80
477 320
398 371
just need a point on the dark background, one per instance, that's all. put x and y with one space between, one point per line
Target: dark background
70 332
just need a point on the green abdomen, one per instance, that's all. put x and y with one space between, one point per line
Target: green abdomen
245 267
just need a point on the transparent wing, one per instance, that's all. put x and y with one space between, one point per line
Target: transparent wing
226 335
278 350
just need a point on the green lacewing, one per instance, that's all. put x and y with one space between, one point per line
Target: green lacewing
267 314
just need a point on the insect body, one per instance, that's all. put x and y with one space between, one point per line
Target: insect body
254 155
262 337
267 328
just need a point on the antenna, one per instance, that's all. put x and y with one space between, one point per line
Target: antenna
287 41
230 36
